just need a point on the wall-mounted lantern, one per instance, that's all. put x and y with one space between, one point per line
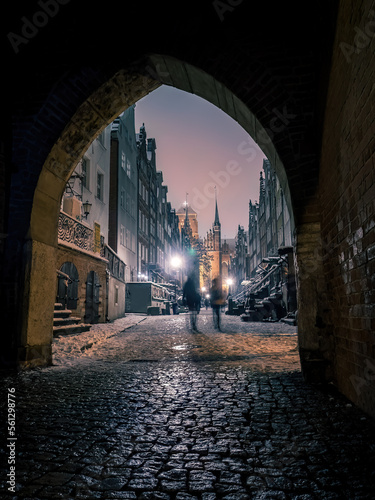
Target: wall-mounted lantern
86 208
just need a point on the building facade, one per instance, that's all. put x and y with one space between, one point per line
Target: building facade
143 206
90 275
123 224
158 224
269 220
116 225
239 263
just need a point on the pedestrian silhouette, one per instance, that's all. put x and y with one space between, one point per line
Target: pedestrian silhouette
192 299
216 296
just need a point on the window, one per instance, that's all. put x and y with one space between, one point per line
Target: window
99 186
85 170
128 169
122 235
123 161
122 198
127 239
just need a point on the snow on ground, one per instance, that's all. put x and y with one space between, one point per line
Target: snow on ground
68 349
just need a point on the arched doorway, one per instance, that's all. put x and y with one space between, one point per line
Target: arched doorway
67 286
310 86
120 91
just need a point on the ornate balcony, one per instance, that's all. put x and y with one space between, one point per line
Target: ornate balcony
72 232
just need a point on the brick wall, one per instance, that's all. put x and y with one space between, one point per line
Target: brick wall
347 193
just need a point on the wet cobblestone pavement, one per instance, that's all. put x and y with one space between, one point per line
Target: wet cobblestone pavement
156 412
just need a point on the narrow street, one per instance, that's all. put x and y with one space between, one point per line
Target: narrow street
144 408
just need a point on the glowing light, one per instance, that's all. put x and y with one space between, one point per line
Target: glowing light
176 262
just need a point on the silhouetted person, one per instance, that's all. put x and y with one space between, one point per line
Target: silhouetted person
191 298
217 301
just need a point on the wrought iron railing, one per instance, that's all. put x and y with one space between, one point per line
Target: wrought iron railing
72 231
260 281
115 265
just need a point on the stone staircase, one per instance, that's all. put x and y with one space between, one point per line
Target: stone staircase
269 308
66 324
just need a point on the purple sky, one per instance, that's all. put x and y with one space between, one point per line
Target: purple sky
199 146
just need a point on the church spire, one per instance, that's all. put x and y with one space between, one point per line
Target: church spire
217 220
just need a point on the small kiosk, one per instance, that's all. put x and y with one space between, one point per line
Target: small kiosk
147 297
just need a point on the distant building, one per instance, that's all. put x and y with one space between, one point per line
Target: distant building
213 246
186 211
158 228
143 206
253 248
123 229
239 263
269 220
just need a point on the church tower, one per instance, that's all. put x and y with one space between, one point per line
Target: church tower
212 244
216 229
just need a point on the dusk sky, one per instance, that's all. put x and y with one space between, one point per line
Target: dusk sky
199 146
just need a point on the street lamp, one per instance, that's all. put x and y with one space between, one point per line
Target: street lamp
176 262
86 208
229 284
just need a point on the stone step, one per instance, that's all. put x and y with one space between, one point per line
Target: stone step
70 329
71 320
64 313
58 306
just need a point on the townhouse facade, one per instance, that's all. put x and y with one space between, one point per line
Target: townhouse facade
269 221
116 225
83 254
269 228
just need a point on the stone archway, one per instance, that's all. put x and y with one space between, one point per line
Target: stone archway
121 90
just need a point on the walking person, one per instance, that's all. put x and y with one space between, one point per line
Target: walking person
217 301
191 298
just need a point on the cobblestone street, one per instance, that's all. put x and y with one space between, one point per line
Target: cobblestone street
144 408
